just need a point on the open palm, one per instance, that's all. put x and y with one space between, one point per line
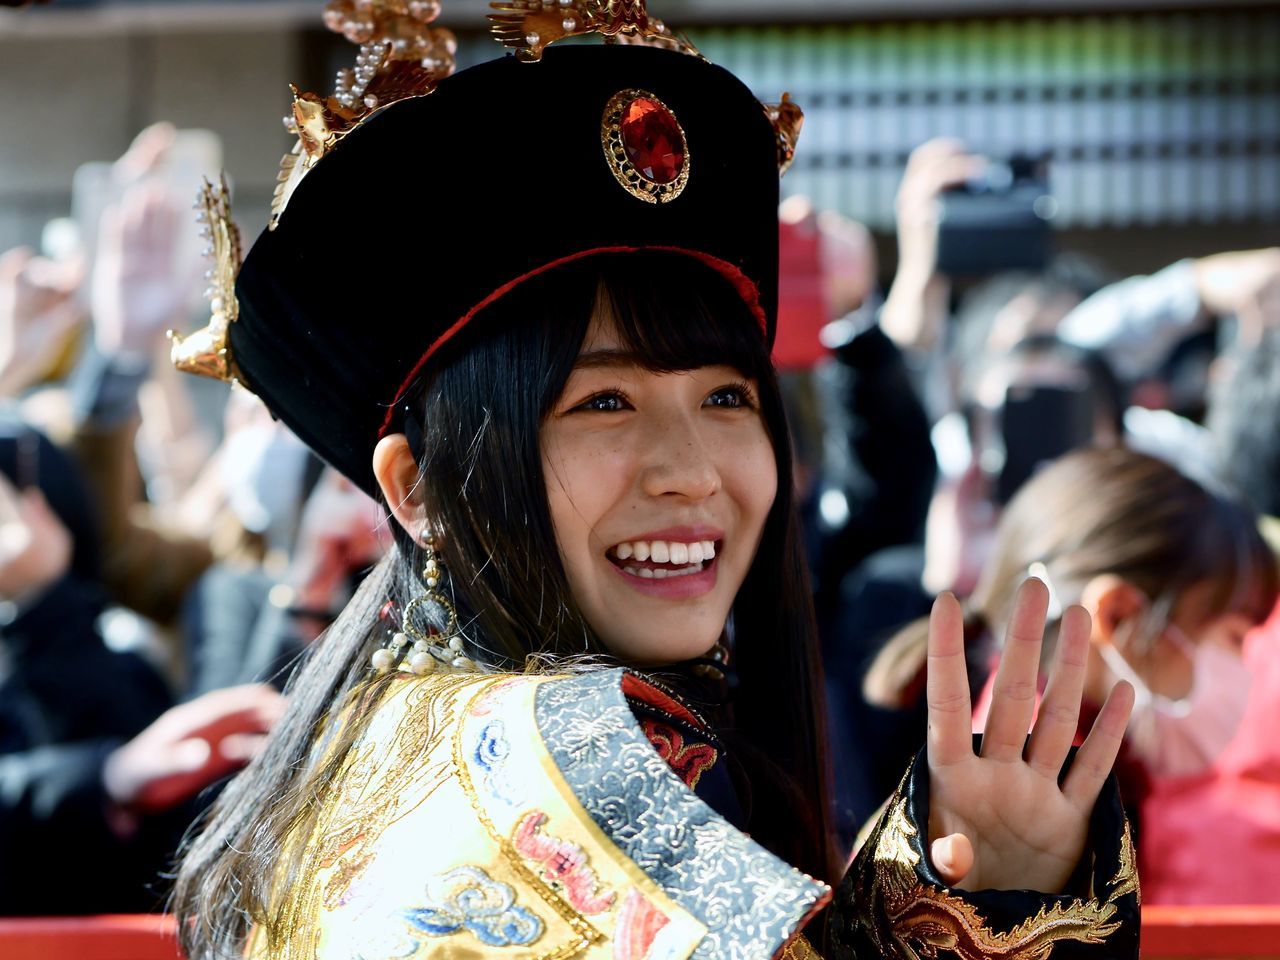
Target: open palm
1000 818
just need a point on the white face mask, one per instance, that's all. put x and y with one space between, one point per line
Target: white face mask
1178 738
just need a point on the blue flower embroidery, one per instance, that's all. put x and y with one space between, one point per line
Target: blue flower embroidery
467 898
491 746
490 753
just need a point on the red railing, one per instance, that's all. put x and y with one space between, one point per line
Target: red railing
1211 933
1168 933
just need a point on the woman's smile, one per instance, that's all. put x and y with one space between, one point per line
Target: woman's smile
659 485
675 563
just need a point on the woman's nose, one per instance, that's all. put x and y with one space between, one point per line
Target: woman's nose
679 463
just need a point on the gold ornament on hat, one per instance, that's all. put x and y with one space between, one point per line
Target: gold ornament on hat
401 56
787 119
206 352
530 26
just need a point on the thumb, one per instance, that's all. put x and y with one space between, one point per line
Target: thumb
952 858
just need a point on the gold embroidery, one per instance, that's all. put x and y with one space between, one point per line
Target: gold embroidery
1126 878
378 785
586 933
799 949
924 920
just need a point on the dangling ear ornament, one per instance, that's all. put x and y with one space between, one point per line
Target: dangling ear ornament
422 651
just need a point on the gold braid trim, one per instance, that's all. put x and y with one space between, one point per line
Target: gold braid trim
924 920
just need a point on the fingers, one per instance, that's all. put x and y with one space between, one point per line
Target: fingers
947 686
952 858
1059 712
1097 756
1014 696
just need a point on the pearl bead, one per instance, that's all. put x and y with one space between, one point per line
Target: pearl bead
422 663
462 663
455 644
421 646
399 640
569 24
382 660
432 582
532 39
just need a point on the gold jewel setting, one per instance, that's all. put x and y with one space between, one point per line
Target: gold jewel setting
615 151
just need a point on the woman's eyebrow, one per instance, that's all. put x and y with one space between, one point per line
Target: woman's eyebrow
608 358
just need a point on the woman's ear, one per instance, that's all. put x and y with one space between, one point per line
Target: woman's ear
1111 601
396 471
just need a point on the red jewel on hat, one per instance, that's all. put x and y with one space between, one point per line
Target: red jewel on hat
645 146
653 140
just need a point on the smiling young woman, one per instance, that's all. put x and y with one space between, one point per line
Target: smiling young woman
576 711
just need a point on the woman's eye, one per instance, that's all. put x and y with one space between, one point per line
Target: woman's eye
605 403
730 398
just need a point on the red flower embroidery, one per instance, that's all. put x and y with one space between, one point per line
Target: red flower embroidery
689 761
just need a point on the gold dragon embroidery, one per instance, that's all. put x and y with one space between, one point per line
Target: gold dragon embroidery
921 921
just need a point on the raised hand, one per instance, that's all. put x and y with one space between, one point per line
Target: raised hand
137 290
1000 819
191 746
35 547
38 312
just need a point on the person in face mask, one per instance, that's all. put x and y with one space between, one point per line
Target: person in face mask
1173 576
1190 702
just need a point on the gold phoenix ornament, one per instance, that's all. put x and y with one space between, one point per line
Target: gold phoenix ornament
401 56
206 352
530 26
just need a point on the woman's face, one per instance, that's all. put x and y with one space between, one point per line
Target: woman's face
659 486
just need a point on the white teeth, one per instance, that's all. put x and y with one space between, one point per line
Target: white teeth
649 573
666 551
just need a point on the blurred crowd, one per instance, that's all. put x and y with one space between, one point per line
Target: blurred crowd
998 411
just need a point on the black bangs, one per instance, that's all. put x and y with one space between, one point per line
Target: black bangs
675 313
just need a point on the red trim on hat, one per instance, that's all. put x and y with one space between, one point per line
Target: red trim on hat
741 282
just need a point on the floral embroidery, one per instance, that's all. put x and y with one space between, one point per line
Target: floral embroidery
490 754
689 760
469 899
639 922
563 863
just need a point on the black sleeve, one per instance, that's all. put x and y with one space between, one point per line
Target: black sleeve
892 904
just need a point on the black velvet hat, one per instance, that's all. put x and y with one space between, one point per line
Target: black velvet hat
431 208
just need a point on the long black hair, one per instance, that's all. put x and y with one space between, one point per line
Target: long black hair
479 416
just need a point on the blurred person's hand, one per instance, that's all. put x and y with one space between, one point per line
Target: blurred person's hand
37 313
191 746
136 291
1244 284
343 530
35 547
933 168
915 308
959 531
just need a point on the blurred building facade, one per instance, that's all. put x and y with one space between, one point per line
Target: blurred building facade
1162 120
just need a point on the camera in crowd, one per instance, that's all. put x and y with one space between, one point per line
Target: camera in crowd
999 220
